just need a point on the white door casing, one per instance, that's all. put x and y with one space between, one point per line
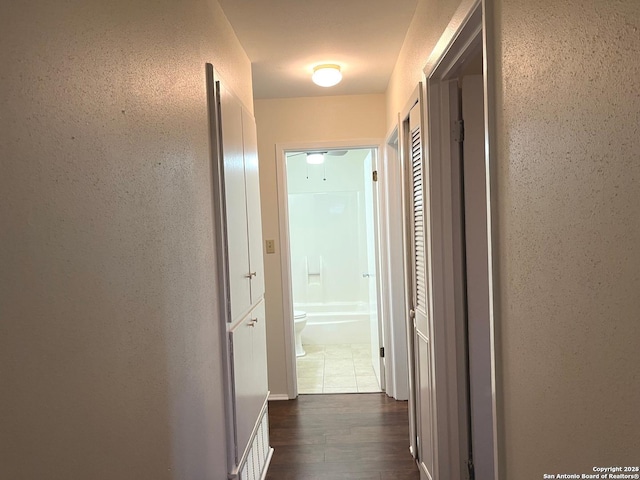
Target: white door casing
283 220
393 270
462 39
475 200
371 275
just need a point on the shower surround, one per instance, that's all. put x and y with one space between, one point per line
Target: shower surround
329 248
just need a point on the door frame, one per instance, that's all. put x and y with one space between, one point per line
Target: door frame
393 259
285 248
465 34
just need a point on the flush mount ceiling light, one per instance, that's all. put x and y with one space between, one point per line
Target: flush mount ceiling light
326 75
315 158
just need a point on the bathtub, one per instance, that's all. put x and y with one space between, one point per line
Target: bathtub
335 323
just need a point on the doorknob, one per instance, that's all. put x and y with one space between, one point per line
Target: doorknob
412 313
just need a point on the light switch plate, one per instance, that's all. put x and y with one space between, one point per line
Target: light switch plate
270 246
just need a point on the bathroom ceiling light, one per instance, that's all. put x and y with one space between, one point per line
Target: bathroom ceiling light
315 158
326 75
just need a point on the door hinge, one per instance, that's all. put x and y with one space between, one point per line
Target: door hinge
470 471
458 131
375 175
381 352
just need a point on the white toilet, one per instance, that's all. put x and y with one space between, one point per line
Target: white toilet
299 322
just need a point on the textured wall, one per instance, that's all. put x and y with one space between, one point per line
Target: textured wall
568 177
569 234
313 119
109 346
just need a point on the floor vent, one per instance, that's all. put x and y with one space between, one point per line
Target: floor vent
259 455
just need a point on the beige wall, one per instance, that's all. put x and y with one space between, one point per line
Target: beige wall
293 120
109 344
568 176
428 23
567 171
109 347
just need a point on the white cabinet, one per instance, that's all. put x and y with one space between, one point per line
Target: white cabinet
242 205
236 206
248 346
254 218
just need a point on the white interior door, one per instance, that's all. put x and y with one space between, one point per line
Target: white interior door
371 275
422 339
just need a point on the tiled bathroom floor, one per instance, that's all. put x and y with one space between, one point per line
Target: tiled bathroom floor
336 369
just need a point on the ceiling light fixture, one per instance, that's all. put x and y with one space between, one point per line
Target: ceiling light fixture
326 75
315 158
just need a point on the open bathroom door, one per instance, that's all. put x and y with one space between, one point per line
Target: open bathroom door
371 275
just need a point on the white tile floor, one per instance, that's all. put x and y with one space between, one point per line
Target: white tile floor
336 369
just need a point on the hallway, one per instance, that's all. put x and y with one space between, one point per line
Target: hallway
347 437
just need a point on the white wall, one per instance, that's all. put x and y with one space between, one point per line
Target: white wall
313 119
109 346
568 228
327 230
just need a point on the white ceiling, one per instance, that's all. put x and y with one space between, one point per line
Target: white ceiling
285 39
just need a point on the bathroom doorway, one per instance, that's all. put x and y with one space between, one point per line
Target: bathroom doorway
331 209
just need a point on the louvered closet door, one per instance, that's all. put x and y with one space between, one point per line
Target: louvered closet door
418 221
422 341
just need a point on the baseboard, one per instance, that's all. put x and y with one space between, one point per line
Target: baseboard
278 396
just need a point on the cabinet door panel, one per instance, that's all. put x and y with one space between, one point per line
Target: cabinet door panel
254 222
244 406
235 203
249 352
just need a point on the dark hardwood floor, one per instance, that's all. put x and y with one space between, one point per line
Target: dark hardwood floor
340 437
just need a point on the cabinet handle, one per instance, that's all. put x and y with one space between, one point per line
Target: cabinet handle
252 322
251 275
